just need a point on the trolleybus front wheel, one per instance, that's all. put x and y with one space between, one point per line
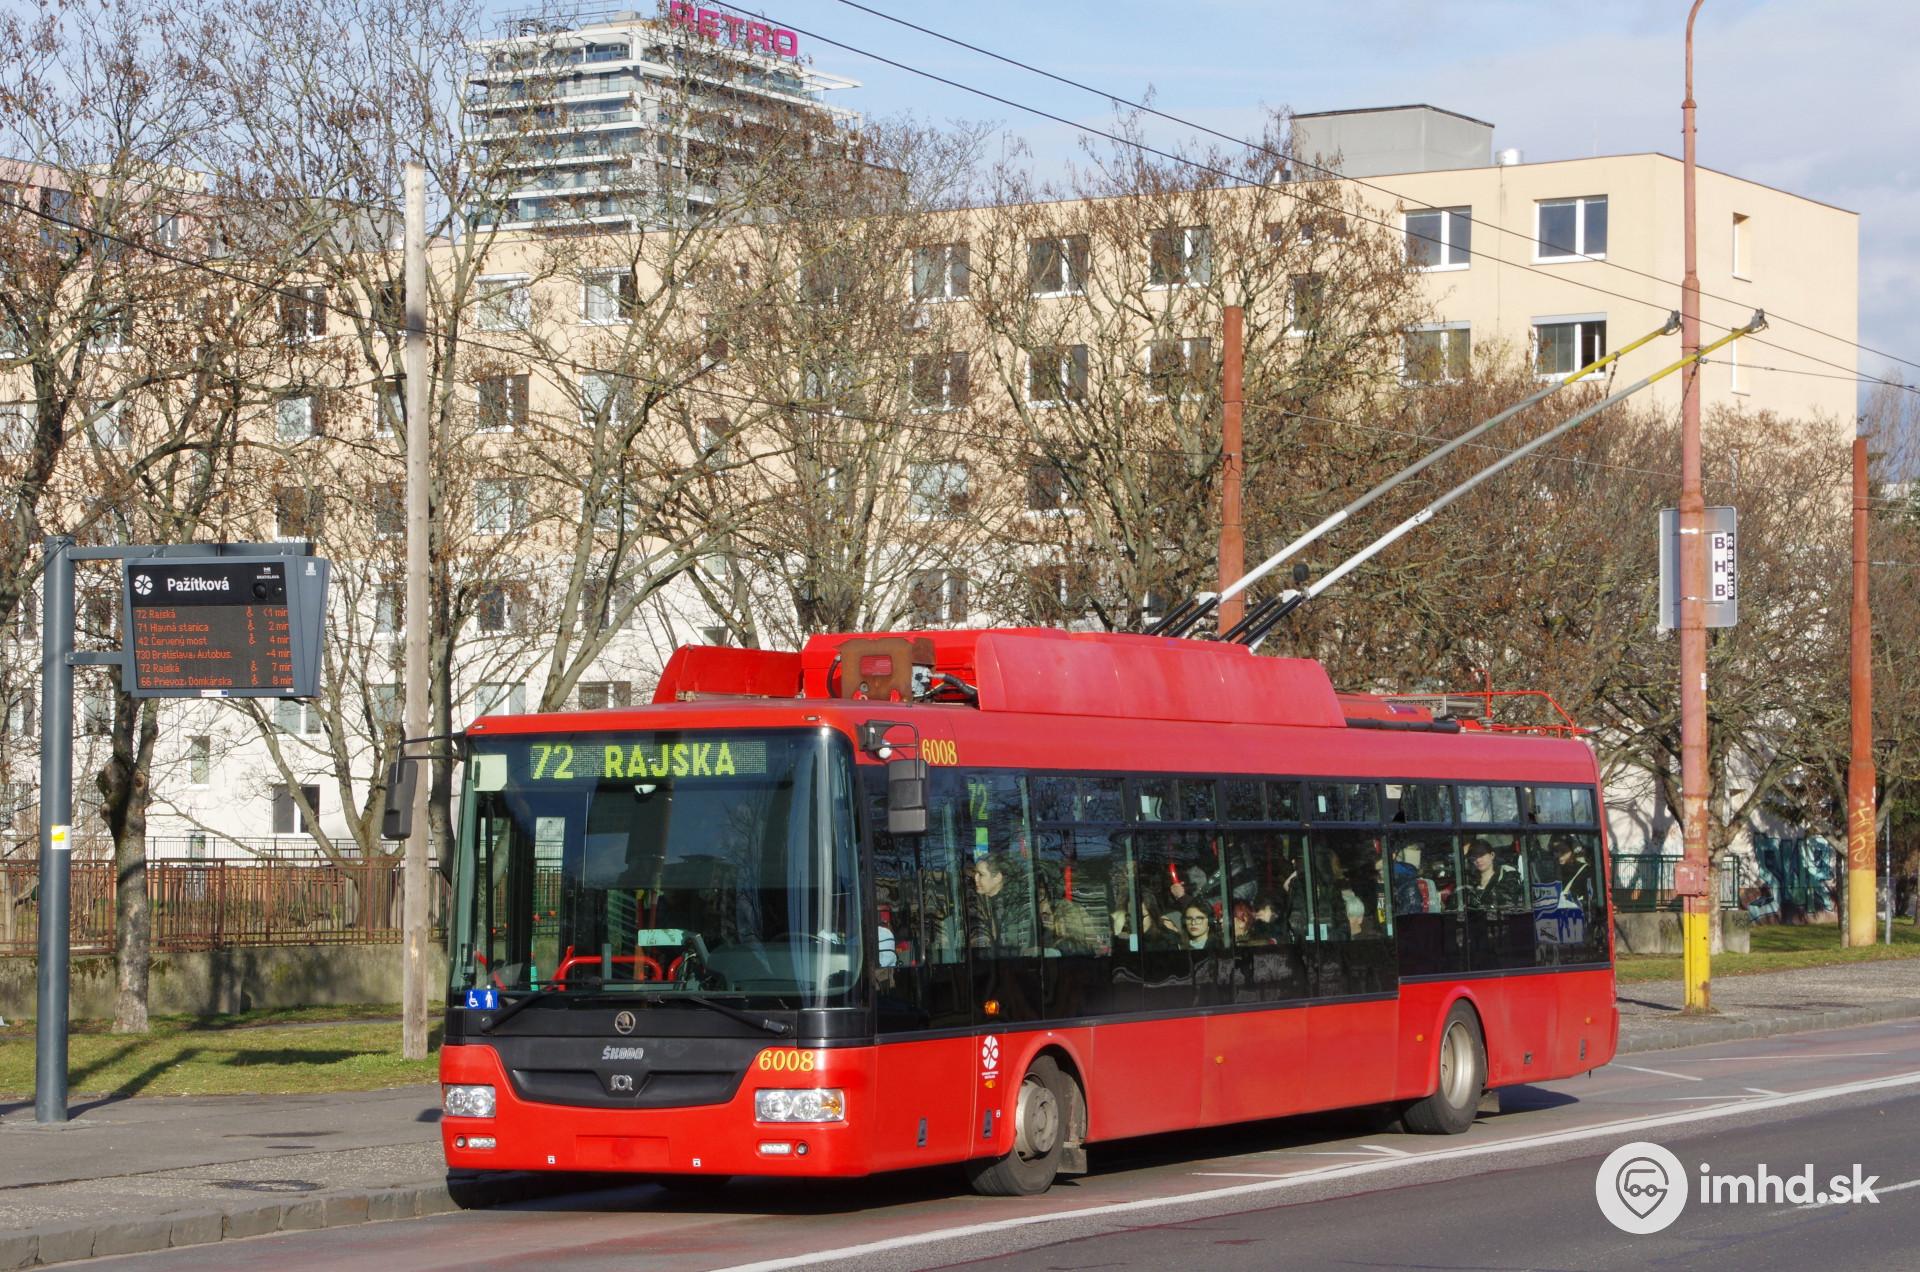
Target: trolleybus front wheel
1461 1078
1041 1111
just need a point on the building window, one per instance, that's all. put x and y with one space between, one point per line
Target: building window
499 608
18 426
1742 250
387 500
96 713
196 847
503 303
1306 304
939 381
940 272
387 708
290 815
1057 374
935 597
20 717
499 699
937 490
303 314
1735 382
1440 238
199 760
503 403
609 297
500 505
295 419
389 608
1571 229
1564 345
1177 368
1047 487
1057 266
826 281
299 512
107 429
112 329
389 405
604 398
715 636
1181 256
829 386
295 717
598 695
1438 353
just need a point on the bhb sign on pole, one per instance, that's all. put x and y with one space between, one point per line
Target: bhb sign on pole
1721 606
225 627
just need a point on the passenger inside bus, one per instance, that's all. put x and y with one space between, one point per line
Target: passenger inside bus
1197 927
1490 884
999 919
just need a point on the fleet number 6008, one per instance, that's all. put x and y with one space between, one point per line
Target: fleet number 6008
790 1061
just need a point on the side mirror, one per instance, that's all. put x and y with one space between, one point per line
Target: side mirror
906 797
396 818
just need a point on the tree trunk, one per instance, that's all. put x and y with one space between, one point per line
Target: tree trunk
125 786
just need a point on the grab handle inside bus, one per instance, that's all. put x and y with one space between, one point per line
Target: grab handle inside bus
907 797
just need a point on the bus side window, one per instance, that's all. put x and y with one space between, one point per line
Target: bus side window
1568 920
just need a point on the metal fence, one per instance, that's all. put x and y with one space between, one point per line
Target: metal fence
220 905
1644 882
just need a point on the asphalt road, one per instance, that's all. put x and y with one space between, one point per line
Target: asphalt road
1517 1191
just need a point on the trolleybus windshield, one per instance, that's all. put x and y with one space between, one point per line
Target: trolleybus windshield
712 864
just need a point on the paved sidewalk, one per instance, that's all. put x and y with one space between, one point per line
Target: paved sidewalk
1768 1003
131 1175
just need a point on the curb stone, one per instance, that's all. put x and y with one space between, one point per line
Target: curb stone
1667 1034
41 1247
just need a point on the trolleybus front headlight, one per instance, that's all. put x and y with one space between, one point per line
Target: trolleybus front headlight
467 1101
814 1104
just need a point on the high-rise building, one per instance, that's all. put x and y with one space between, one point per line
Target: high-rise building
619 119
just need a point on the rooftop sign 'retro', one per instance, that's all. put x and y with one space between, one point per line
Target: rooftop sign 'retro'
742 33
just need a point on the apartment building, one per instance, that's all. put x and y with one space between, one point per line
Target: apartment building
616 120
1557 262
1570 258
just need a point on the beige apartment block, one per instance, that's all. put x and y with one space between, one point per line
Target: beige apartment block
1513 280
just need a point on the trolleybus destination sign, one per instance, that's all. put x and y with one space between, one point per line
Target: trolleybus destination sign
225 627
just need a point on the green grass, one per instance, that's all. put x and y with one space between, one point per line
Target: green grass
257 1053
1779 949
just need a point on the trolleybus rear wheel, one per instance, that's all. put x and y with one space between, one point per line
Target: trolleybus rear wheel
1461 1078
1040 1115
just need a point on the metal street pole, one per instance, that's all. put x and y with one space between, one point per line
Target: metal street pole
1694 779
1233 468
1860 770
56 836
413 1025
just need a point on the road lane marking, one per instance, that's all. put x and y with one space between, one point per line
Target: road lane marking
1390 1152
1658 1073
1759 1090
1236 1174
1804 1055
1877 1191
1571 1135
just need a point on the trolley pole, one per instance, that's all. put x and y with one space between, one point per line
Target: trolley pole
1233 468
1696 887
413 1025
56 839
1861 902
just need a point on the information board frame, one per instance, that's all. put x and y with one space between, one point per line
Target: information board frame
213 587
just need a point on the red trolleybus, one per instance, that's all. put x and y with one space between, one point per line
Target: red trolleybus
1145 884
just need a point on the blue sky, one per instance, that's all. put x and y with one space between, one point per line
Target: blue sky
1819 99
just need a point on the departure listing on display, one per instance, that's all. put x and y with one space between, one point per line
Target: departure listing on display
210 628
643 758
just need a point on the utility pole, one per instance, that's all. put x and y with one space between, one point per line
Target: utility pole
1696 888
1860 775
1233 468
413 1024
